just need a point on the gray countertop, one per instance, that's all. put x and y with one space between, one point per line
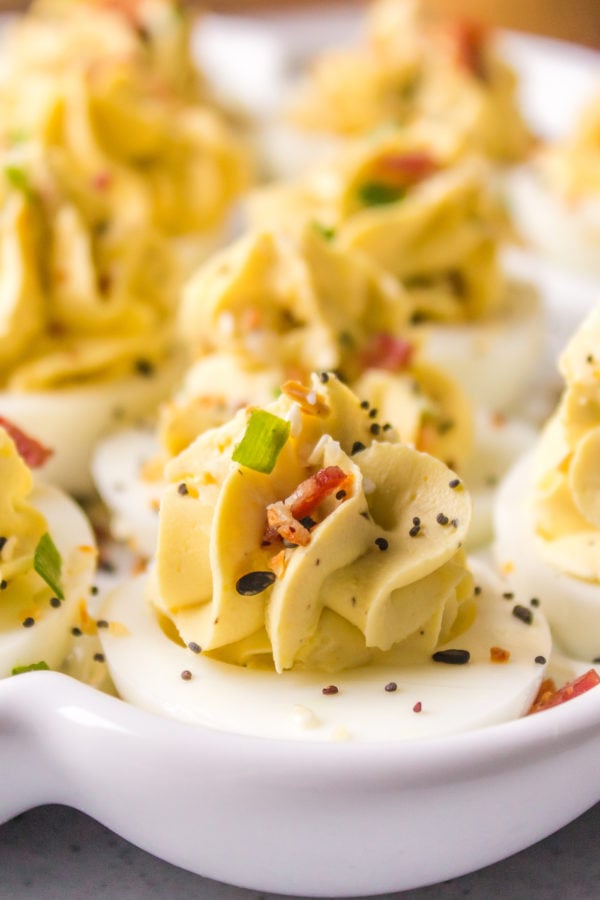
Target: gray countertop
55 853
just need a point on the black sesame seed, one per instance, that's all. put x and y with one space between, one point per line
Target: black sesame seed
101 623
340 495
454 523
186 675
414 531
508 595
55 602
254 583
3 584
523 613
375 428
390 687
194 647
373 413
364 404
3 540
442 519
477 590
307 522
357 447
454 483
94 589
76 632
324 377
182 489
388 426
28 622
382 543
535 601
540 660
330 689
452 657
99 657
144 367
416 520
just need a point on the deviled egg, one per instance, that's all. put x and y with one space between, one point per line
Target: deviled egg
547 521
311 582
408 68
433 224
47 562
555 198
266 310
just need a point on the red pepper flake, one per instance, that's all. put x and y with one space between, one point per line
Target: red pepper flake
330 689
499 655
417 708
548 695
33 452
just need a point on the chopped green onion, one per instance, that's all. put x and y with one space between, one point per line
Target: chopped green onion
32 667
48 564
377 193
263 441
324 230
18 179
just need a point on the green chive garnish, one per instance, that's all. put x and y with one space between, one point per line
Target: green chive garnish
32 667
48 564
325 231
377 193
18 179
262 442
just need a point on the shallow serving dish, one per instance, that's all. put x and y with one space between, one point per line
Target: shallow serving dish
320 819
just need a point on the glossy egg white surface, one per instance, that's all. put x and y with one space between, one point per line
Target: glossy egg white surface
50 638
571 605
146 668
70 421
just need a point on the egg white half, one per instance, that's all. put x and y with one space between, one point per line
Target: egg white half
568 233
571 605
146 667
493 360
50 638
70 421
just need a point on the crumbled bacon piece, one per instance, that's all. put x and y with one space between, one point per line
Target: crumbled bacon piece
285 516
406 169
468 45
33 452
384 351
281 520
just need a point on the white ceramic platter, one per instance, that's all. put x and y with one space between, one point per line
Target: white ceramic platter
317 819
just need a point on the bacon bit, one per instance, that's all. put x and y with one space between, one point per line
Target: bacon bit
101 181
285 517
406 169
282 522
33 452
499 655
307 399
278 563
468 46
311 492
384 351
548 694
